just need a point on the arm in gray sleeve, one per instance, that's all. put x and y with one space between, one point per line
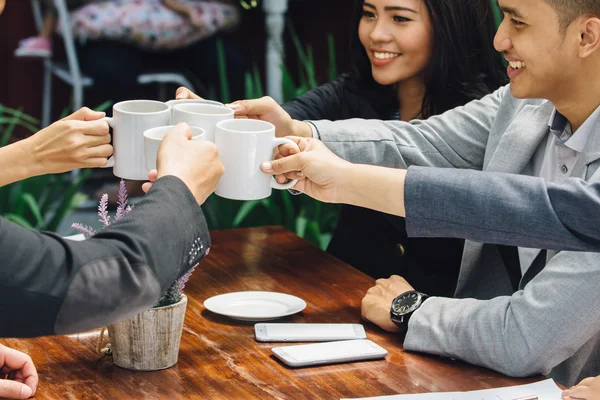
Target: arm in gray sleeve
457 138
502 209
49 285
531 332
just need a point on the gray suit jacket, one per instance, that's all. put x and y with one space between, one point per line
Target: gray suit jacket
49 285
551 323
500 208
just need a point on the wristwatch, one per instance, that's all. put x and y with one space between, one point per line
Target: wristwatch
404 306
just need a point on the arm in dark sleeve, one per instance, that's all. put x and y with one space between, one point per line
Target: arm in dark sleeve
330 101
49 285
502 209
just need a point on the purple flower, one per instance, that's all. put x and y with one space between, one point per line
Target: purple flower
122 208
103 211
85 229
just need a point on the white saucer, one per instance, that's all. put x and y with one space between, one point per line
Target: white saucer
255 306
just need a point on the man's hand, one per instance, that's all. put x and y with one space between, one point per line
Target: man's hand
322 174
587 389
80 140
196 163
378 300
267 109
22 376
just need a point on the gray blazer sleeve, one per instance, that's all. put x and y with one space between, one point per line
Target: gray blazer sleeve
457 138
517 335
502 209
49 285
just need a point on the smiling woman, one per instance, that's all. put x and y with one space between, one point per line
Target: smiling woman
412 59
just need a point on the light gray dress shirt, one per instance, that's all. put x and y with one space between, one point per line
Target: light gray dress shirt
554 161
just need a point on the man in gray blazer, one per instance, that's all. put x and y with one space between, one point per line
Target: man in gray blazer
520 311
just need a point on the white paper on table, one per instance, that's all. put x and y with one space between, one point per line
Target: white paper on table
544 390
77 238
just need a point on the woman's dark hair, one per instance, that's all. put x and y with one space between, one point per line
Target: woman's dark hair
464 65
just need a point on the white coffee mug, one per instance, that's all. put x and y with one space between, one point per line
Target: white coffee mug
129 122
173 103
244 144
205 116
154 137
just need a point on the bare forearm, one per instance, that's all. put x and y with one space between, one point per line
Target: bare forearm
17 163
377 188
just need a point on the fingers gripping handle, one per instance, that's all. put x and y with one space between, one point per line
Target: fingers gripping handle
274 183
111 122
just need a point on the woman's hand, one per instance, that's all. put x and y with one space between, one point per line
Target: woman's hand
322 174
267 109
587 389
184 93
80 140
22 376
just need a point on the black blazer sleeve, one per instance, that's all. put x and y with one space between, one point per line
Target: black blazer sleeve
49 285
338 99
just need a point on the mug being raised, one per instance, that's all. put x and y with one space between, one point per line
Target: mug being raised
129 122
154 137
205 116
173 103
244 144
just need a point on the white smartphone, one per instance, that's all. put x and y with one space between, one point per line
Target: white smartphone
308 332
329 353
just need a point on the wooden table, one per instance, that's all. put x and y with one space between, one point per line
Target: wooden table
219 358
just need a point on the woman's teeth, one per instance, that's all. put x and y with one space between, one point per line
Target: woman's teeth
385 56
517 64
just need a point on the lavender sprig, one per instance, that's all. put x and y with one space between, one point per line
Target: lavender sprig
85 229
122 206
103 211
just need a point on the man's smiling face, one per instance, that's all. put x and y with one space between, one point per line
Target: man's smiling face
543 58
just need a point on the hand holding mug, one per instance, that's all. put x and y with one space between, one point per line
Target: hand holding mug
267 109
184 93
322 174
80 140
22 376
196 163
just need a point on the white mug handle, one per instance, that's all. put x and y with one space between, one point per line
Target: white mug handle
111 122
274 183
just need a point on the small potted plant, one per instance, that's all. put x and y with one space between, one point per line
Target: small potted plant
148 341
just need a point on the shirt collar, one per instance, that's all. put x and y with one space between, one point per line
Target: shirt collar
561 128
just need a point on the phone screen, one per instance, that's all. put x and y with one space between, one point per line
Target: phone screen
332 350
299 331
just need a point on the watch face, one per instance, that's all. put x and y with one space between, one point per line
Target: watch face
405 304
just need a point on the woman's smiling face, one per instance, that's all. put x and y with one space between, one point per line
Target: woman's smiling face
398 38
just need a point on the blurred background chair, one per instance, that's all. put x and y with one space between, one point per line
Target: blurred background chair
71 73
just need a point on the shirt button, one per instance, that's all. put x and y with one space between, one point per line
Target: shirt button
400 249
564 169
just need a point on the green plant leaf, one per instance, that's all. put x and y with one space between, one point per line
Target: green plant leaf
67 204
222 65
17 219
275 215
104 106
301 224
245 210
30 202
258 87
249 86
